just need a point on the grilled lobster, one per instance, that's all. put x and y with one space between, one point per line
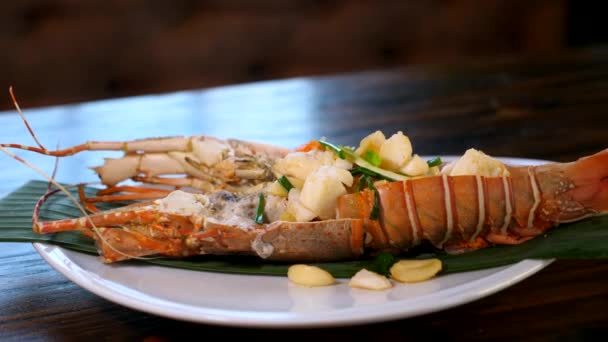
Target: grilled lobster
454 213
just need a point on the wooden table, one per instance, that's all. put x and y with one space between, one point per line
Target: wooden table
551 107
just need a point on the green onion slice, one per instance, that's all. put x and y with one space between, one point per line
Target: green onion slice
370 184
373 158
357 170
285 183
434 162
361 183
376 209
259 217
337 149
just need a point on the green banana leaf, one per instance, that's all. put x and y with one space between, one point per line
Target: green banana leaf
587 239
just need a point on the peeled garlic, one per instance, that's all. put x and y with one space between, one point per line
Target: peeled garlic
368 280
371 142
396 151
310 276
415 167
411 271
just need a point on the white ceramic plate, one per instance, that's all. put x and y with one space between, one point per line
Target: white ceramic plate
272 301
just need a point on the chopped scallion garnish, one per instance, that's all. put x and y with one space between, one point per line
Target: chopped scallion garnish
376 209
338 150
434 162
285 183
378 173
373 157
361 184
259 217
363 181
358 170
370 184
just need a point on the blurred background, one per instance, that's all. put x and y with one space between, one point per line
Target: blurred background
64 51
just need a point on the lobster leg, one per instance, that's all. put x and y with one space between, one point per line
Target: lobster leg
192 182
118 244
133 193
83 199
177 224
216 162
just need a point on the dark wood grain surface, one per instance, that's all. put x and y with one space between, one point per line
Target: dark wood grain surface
548 107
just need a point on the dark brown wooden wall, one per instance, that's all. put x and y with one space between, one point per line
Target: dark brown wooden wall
64 51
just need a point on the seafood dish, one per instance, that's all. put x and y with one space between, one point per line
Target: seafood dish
320 201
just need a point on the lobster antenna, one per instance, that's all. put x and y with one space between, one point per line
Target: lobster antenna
64 190
10 90
54 174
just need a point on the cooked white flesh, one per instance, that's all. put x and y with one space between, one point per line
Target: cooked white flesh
319 178
322 189
415 167
223 207
296 209
396 151
475 162
371 142
301 164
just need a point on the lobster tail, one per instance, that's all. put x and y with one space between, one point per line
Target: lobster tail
467 212
575 190
590 178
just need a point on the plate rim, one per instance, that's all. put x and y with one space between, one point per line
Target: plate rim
467 292
449 298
